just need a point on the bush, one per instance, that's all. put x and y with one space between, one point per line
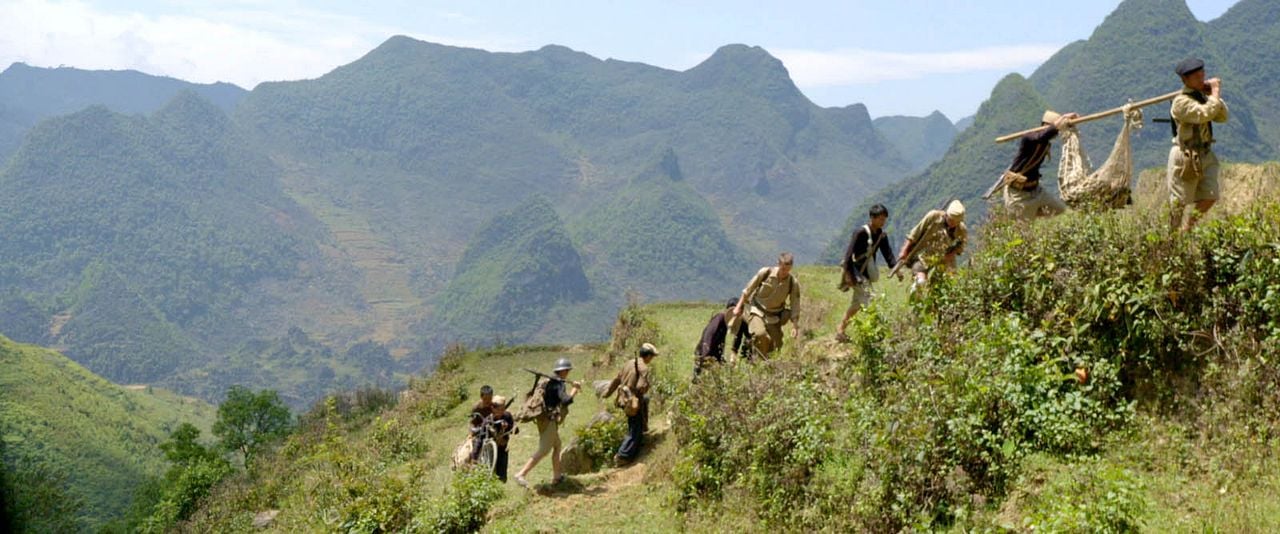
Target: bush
463 508
597 442
938 408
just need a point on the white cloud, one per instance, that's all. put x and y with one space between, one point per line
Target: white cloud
810 68
239 42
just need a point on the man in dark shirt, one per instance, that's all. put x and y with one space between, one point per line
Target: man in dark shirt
858 264
1023 197
711 347
481 410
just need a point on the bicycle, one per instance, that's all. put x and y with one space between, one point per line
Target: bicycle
488 435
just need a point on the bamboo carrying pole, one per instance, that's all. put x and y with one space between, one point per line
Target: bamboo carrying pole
1094 116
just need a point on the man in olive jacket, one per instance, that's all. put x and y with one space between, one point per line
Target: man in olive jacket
631 383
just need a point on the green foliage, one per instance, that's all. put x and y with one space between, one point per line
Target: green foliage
978 374
1085 496
249 421
34 496
463 507
446 388
93 441
598 442
185 485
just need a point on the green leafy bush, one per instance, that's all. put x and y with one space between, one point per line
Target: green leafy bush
599 441
463 508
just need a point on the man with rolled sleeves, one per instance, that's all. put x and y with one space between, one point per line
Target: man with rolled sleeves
1023 196
632 384
1193 168
935 242
766 300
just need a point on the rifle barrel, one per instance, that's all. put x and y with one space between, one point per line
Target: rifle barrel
1094 116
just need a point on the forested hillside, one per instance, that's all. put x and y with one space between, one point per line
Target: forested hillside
76 447
193 248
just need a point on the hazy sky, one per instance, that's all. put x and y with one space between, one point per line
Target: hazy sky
903 57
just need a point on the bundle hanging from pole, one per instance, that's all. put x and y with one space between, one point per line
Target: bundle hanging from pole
1108 186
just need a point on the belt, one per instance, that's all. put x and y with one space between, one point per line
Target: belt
1027 186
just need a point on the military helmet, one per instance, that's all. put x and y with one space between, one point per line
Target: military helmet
563 364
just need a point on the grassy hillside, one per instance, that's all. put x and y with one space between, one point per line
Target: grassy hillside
956 411
101 439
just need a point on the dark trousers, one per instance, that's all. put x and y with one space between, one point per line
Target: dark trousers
500 464
631 444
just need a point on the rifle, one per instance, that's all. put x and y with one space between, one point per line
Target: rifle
543 375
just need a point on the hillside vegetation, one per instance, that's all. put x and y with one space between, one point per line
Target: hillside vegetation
75 447
182 242
956 410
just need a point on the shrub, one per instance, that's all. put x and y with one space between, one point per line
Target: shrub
597 442
463 508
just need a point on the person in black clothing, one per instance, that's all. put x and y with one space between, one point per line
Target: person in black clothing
711 347
1024 198
479 412
859 263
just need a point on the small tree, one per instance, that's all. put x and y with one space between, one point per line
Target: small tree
247 421
182 448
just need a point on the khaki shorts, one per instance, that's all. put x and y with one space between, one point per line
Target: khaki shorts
1186 190
1026 204
548 436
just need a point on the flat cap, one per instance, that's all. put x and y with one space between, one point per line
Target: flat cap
1188 66
648 349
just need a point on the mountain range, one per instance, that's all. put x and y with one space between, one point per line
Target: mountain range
193 235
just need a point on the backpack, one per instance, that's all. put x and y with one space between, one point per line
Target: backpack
534 401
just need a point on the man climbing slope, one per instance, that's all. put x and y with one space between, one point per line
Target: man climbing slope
935 242
859 263
1192 173
766 299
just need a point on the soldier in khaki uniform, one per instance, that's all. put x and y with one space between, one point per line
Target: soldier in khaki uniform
766 299
1193 168
632 385
935 242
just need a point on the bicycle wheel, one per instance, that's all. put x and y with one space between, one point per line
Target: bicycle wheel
488 455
